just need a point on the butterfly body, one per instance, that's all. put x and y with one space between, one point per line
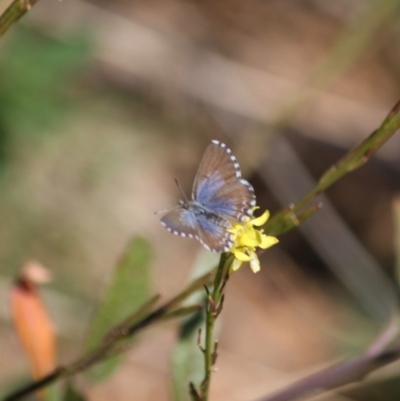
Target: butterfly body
200 211
220 197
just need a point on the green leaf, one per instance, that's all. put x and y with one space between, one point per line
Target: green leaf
128 291
71 394
52 392
187 358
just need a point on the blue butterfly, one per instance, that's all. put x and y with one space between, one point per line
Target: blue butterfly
220 197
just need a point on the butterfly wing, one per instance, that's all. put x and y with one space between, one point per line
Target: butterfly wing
184 222
219 186
213 237
180 221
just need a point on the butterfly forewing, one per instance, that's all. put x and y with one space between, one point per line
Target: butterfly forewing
218 185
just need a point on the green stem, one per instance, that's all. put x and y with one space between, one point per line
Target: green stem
14 12
358 156
213 309
209 348
350 162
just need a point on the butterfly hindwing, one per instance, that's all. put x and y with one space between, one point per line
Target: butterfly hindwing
186 223
213 236
180 221
218 184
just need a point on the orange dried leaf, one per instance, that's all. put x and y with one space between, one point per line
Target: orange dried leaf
34 327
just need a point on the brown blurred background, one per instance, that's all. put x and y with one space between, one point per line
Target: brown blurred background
104 103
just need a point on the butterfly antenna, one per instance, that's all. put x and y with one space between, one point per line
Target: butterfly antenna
174 207
180 188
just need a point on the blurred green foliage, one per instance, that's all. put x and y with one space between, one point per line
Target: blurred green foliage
40 83
37 77
72 394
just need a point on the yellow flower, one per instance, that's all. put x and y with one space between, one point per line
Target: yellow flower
246 238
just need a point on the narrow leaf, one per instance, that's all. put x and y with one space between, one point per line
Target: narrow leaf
187 358
128 291
71 394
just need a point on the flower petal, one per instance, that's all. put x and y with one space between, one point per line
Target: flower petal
255 264
241 256
267 241
261 220
250 238
236 265
235 229
246 238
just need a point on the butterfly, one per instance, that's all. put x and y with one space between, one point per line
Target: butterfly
220 197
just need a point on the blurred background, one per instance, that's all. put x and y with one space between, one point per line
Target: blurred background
104 103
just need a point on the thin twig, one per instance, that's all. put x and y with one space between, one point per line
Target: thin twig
14 12
350 162
343 373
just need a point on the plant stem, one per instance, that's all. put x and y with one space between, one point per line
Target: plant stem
350 162
358 156
14 12
213 309
209 347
